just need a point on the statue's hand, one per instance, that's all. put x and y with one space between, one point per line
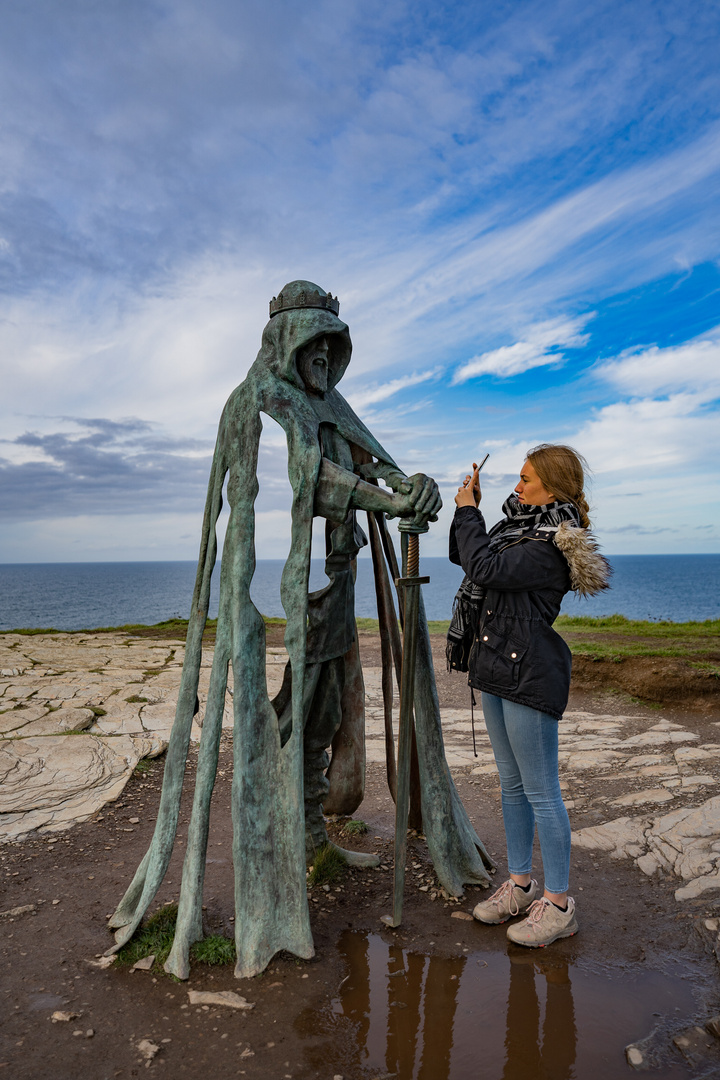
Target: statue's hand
421 497
397 482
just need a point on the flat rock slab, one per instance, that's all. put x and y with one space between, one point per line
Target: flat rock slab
637 798
684 842
227 998
50 782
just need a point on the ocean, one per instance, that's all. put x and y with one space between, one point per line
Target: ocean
73 596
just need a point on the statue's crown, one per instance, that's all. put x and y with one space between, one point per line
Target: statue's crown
303 294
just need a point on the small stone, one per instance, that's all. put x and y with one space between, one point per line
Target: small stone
55 902
78 1032
712 924
134 820
247 1052
89 1033
634 1057
462 915
102 962
305 976
148 1049
60 1017
145 964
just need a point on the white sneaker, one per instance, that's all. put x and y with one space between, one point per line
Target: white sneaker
545 923
508 901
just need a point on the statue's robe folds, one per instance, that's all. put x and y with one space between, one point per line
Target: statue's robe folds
271 907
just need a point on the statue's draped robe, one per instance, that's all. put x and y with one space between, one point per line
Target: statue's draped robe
271 905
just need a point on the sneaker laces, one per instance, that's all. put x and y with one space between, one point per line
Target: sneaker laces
537 909
497 898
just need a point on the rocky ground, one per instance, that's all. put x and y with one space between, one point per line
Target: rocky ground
80 712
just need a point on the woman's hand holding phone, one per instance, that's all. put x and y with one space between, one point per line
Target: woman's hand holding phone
469 493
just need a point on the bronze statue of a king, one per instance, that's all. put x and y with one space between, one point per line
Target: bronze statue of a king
281 779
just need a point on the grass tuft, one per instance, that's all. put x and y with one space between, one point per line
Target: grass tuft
329 866
707 668
214 950
353 827
154 938
143 766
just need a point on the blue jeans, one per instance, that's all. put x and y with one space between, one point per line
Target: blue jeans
525 745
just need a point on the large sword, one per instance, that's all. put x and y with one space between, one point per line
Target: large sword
410 582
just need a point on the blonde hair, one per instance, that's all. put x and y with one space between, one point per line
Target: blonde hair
561 470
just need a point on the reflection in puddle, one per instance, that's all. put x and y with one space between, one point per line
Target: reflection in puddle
495 1015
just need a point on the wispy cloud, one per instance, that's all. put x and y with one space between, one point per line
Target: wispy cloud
360 399
541 345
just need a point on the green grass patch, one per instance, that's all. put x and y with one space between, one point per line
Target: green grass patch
353 827
143 766
214 949
329 866
617 651
616 638
706 668
134 699
619 624
156 936
97 710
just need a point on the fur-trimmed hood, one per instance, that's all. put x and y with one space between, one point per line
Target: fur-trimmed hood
590 571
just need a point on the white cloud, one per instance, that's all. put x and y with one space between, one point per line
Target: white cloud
649 434
373 394
693 367
538 349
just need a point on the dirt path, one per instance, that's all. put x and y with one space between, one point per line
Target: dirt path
301 1025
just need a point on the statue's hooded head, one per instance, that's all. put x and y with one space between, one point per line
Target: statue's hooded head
304 335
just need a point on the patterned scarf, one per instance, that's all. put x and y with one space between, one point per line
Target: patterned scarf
519 520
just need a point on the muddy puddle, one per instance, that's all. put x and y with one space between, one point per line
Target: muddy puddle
495 1016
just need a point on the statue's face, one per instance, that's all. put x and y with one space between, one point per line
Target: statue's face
312 365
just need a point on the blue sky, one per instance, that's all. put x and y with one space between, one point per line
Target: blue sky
517 204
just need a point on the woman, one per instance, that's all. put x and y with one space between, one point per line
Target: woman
501 634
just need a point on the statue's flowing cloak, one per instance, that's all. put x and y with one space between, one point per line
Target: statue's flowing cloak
267 795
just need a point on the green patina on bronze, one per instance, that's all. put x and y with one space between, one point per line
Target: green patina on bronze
333 463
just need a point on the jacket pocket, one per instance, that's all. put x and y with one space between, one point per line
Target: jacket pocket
498 658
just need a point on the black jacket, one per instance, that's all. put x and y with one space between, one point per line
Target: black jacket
516 654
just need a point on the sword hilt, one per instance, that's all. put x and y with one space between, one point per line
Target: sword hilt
413 555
